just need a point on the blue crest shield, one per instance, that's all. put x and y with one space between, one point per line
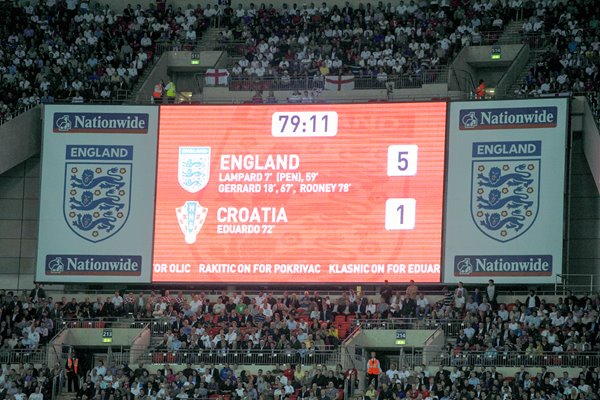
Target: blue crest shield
96 198
193 169
505 196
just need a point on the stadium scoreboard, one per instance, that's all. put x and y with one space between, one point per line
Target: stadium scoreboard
306 193
317 193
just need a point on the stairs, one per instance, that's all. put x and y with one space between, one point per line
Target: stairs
210 39
512 33
534 55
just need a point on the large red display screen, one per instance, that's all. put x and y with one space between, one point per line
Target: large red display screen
300 193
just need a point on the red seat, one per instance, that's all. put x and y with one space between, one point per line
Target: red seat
158 358
340 318
171 357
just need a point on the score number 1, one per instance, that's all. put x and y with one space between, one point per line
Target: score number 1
400 214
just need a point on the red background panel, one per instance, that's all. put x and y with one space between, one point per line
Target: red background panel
322 228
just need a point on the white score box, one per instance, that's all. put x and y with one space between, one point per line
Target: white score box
400 214
402 160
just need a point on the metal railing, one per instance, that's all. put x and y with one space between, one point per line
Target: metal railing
158 327
575 283
513 359
20 356
175 45
513 72
451 327
254 356
244 83
535 40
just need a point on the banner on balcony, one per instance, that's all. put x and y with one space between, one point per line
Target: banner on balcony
340 82
216 77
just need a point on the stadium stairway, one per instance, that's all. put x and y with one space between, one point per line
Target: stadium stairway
512 30
533 57
209 41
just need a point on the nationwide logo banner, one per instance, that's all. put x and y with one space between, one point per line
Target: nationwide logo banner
97 191
505 190
508 118
526 265
95 122
83 264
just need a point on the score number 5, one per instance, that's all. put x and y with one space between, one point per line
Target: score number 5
402 160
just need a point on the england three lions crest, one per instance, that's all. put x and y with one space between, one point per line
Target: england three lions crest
97 193
193 168
505 191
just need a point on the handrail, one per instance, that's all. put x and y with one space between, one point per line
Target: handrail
515 359
244 83
562 280
513 71
231 356
467 74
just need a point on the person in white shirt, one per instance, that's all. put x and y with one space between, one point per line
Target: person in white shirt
37 395
392 371
423 307
117 300
100 368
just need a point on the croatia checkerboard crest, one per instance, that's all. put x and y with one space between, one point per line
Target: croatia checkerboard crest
191 217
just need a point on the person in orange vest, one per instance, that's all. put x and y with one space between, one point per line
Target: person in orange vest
373 370
480 90
158 91
72 369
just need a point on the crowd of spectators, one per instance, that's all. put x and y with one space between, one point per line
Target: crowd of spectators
27 382
314 382
531 327
285 381
71 51
263 322
26 320
570 65
406 38
304 322
485 383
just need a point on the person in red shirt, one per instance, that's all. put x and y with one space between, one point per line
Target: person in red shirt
480 90
289 372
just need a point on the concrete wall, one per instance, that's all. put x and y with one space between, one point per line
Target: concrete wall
386 338
591 144
19 213
474 61
20 139
220 94
584 226
93 337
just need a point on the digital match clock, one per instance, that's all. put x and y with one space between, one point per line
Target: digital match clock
304 124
